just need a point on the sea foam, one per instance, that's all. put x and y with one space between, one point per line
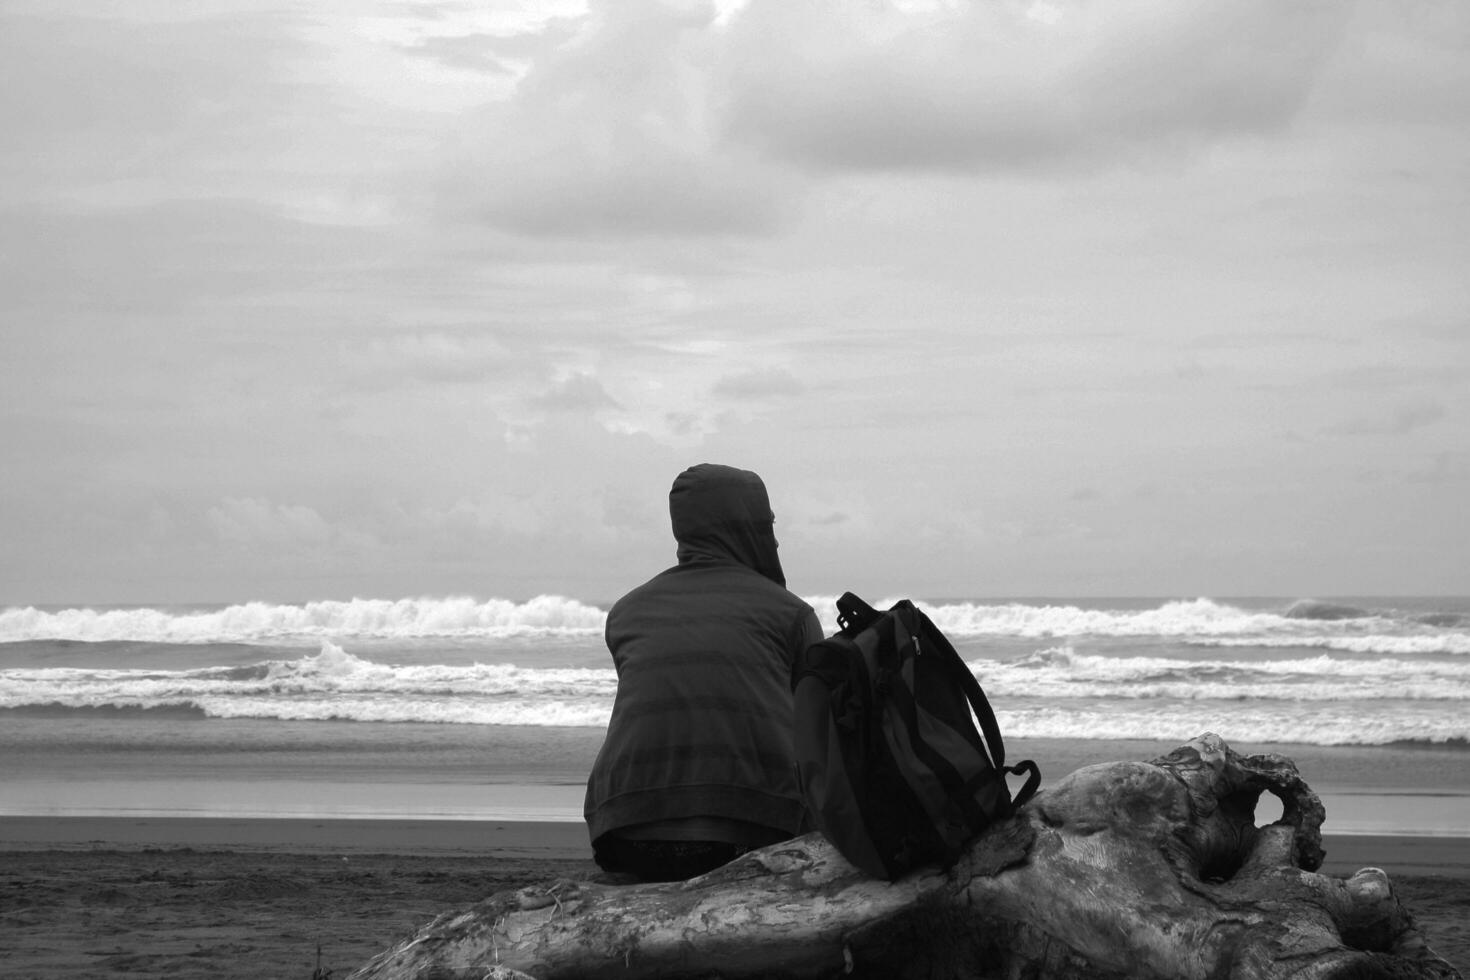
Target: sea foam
1449 643
334 683
259 621
1137 670
1177 618
462 617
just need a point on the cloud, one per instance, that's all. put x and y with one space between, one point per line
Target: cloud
496 54
434 357
259 525
161 257
468 52
816 515
124 104
117 75
1394 420
1443 468
623 511
523 515
986 87
1453 329
661 119
760 384
580 394
683 425
609 133
1407 67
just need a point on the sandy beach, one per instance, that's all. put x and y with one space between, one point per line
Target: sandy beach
88 897
223 898
255 890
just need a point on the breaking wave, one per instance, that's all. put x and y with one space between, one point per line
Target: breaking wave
1180 618
1362 672
261 622
255 622
1420 645
1055 692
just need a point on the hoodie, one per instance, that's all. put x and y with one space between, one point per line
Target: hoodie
701 725
721 513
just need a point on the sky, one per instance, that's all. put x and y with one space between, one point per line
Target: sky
351 298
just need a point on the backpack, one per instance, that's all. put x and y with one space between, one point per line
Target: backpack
889 760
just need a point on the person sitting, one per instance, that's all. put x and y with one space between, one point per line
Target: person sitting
697 765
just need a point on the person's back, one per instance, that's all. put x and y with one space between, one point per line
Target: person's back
697 764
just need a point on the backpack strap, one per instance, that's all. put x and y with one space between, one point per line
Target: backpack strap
1028 788
935 641
994 743
853 614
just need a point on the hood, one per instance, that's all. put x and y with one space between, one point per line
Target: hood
721 512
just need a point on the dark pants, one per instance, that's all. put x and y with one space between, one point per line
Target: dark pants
664 860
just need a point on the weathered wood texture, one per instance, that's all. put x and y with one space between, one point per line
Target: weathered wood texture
1129 869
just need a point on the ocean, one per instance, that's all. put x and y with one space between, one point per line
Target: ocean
457 707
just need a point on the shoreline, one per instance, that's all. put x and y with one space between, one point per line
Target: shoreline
487 776
538 840
551 840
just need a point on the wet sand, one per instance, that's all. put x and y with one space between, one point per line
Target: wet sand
85 897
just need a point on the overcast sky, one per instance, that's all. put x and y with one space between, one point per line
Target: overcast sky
1064 297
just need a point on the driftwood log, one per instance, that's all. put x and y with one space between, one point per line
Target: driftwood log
1128 869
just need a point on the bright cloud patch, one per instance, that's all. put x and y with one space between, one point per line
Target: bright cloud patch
1004 86
654 119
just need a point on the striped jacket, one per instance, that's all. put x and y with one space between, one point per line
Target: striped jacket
702 722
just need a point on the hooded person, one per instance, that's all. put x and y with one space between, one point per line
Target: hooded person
697 765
